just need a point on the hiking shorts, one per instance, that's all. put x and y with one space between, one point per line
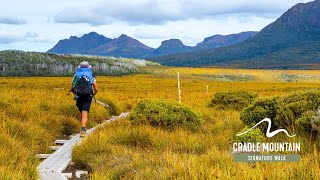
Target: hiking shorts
84 103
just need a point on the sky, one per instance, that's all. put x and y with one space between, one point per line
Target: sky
37 25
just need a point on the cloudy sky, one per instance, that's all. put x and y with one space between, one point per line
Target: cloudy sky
37 25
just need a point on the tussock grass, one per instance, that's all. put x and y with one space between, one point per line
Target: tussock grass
123 150
159 154
32 112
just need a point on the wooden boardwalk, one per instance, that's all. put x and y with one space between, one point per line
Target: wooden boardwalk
52 167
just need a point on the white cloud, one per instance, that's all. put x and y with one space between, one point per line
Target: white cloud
14 37
150 21
194 31
8 38
12 20
74 16
161 12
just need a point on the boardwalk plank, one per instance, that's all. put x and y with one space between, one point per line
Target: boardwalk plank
52 166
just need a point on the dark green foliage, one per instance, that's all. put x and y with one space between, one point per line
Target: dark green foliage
292 107
258 110
164 114
285 112
255 135
19 63
232 100
309 122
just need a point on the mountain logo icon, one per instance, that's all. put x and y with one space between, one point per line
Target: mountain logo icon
268 133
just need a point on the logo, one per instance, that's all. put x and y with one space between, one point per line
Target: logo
266 151
268 133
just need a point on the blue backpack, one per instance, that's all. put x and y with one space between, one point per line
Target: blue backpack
83 82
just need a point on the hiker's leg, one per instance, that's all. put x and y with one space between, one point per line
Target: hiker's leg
84 118
79 106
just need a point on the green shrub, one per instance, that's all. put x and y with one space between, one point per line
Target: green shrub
292 107
253 136
285 112
258 110
309 122
232 100
164 114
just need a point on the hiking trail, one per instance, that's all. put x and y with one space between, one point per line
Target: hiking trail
54 164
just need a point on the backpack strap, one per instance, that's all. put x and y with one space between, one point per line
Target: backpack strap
75 80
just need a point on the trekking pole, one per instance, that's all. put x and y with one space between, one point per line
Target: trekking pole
69 92
101 103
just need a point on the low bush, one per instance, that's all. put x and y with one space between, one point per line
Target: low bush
309 122
258 110
164 114
232 100
290 108
285 112
253 136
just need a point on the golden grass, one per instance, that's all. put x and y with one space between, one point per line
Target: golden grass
122 150
32 112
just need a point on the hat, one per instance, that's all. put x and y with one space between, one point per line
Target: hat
84 64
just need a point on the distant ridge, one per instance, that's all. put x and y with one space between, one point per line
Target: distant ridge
171 46
125 46
292 41
175 46
224 40
82 45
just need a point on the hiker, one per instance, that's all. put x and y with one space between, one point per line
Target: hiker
84 87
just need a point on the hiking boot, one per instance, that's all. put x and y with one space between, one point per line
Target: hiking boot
83 133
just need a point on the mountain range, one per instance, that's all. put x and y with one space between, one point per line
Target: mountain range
125 46
75 45
292 41
175 46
